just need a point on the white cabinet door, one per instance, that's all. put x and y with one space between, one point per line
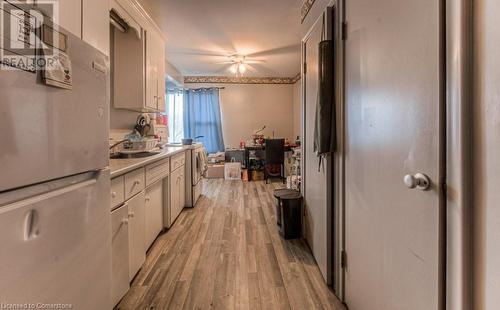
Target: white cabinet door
95 24
128 78
177 192
161 76
174 195
151 70
136 233
182 189
155 70
69 16
154 212
119 253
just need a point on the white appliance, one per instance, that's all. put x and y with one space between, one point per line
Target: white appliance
194 172
196 175
54 185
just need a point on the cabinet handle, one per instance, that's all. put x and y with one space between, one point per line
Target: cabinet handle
113 194
148 199
125 221
137 182
131 214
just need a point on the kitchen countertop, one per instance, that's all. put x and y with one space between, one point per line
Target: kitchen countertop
123 165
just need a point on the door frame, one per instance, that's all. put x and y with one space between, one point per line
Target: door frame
457 262
458 30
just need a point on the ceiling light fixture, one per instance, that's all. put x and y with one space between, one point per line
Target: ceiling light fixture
242 68
234 69
239 67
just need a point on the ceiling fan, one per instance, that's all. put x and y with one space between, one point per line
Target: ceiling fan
239 64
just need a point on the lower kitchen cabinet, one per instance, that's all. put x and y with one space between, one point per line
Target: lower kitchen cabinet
154 212
136 233
119 253
177 193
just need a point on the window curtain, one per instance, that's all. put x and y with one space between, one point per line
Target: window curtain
202 117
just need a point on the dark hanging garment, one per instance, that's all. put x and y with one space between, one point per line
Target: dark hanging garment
325 134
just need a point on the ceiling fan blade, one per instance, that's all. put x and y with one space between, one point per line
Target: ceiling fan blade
254 61
277 51
264 70
200 52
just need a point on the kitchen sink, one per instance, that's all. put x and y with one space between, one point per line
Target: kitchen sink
135 155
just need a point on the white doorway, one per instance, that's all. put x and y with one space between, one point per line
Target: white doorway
394 237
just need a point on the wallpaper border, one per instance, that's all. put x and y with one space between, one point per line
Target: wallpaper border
306 7
241 80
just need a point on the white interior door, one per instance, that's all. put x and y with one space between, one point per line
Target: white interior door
393 100
316 180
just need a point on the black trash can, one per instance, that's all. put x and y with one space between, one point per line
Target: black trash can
277 195
289 213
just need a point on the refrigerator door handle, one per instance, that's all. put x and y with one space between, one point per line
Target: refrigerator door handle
29 225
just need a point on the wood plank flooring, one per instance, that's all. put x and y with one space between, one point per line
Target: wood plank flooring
226 253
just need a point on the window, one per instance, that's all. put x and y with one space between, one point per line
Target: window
202 117
175 113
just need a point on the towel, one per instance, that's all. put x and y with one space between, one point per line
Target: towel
204 162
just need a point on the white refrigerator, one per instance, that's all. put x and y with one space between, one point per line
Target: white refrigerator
55 239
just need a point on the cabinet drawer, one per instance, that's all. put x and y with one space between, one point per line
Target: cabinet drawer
156 171
134 182
177 161
117 191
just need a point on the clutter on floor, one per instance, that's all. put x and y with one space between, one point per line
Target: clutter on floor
249 161
293 179
215 171
232 171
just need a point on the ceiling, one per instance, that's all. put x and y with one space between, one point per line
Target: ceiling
203 33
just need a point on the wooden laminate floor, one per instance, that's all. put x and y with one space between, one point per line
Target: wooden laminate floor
226 253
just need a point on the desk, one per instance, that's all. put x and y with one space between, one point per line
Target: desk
257 161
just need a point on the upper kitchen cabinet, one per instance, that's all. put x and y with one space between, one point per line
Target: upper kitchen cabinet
155 70
69 16
95 24
138 57
86 19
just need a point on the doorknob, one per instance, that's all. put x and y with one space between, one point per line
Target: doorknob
419 181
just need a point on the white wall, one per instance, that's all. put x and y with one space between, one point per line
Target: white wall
297 109
174 73
247 107
486 155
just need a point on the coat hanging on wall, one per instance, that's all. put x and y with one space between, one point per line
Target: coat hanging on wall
325 135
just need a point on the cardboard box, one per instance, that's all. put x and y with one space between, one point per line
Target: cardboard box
215 171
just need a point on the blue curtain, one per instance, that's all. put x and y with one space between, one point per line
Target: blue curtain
202 117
